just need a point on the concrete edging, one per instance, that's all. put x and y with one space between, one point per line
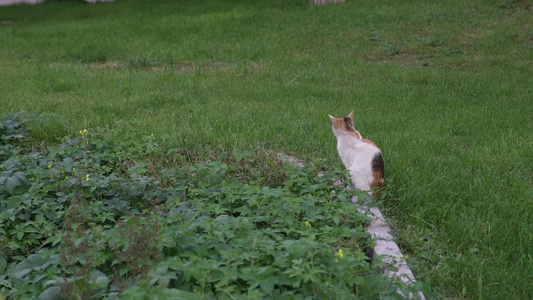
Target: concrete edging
386 248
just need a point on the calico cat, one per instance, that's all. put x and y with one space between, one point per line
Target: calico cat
361 157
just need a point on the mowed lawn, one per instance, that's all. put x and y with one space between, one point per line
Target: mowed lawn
445 88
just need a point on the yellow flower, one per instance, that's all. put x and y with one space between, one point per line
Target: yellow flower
66 177
339 253
307 224
87 177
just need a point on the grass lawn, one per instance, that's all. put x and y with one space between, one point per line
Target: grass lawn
443 87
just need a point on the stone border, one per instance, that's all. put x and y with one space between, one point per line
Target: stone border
385 248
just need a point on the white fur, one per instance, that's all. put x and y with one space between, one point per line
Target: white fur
356 156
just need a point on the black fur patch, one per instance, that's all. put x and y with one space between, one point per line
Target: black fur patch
349 124
377 164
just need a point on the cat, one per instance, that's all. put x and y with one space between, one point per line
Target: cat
360 156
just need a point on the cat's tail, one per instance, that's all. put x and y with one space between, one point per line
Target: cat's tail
378 174
377 183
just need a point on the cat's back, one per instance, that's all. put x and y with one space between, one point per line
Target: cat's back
367 167
364 152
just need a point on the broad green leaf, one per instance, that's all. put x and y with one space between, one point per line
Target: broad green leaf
14 202
255 294
296 247
176 294
215 276
68 163
53 239
57 281
30 229
223 219
5 174
135 293
99 279
22 269
336 220
267 287
15 184
33 262
51 293
36 260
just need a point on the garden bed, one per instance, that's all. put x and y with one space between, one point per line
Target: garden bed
94 218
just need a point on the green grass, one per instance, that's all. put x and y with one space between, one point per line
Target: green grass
443 87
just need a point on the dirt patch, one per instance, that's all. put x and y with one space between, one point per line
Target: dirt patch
159 67
198 67
405 60
6 22
109 65
292 160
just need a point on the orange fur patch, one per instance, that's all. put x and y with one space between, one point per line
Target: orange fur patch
377 182
355 134
369 142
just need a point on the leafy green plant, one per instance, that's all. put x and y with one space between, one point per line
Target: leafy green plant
11 131
91 219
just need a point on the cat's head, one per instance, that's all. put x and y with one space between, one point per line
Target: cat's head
344 126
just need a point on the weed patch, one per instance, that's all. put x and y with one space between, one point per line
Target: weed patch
92 219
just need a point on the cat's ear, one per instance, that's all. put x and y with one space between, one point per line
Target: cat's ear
335 121
351 115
